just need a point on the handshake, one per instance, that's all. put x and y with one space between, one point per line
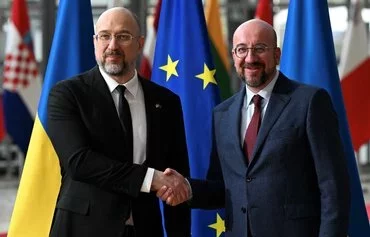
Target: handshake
171 187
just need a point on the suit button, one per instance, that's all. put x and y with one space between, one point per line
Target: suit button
249 179
244 210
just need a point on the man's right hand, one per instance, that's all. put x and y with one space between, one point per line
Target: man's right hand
177 192
160 180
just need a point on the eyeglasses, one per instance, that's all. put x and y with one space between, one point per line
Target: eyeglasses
241 51
122 39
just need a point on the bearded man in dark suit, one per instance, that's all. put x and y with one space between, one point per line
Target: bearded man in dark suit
113 132
278 165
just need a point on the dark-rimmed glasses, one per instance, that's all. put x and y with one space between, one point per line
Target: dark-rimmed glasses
241 51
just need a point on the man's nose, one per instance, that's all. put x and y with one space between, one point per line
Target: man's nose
113 43
251 56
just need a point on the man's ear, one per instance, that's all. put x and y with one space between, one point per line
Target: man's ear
141 42
277 55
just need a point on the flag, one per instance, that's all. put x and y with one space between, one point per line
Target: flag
354 70
183 63
148 51
2 125
264 11
21 82
72 52
218 47
308 56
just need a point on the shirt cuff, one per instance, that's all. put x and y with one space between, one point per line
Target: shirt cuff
147 183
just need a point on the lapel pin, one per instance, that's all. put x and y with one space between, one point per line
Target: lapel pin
158 106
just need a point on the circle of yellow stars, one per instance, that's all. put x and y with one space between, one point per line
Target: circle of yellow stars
208 76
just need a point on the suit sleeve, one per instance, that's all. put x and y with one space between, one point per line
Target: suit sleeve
329 159
209 193
177 219
72 142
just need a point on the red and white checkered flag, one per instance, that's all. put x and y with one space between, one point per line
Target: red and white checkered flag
20 68
21 79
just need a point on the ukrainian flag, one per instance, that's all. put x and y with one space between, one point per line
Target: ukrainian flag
72 52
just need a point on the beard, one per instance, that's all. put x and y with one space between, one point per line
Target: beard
255 81
114 69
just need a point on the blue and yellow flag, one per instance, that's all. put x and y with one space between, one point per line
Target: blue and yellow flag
309 56
183 63
72 52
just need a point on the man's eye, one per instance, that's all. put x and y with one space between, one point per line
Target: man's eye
123 37
104 37
241 50
259 49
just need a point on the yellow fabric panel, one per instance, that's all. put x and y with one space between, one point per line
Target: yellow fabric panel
38 189
213 18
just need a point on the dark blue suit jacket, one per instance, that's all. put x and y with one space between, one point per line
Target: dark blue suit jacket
297 182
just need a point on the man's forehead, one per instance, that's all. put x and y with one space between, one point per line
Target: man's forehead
114 15
253 33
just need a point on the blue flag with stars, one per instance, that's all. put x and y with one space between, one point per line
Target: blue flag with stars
183 63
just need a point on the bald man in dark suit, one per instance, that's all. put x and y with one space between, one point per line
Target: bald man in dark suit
278 165
114 132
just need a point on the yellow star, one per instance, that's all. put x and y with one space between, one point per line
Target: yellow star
219 226
207 76
170 68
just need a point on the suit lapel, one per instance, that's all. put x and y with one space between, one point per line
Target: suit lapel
152 108
278 100
102 101
229 128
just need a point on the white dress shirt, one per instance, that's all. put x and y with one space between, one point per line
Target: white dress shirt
248 106
135 97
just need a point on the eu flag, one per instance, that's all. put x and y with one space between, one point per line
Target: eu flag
72 52
309 56
183 63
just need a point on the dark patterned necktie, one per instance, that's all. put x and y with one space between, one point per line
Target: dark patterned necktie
126 121
253 127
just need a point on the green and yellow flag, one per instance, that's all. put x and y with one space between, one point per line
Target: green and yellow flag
218 47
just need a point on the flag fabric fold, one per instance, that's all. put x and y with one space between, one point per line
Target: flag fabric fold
308 56
183 63
218 47
354 70
72 52
146 63
22 85
264 11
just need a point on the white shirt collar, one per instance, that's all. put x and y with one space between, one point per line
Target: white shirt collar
131 85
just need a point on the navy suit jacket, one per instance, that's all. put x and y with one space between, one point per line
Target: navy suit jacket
100 184
296 184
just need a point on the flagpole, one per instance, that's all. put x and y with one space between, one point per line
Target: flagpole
48 25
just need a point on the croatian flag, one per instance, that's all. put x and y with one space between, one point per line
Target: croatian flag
21 83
